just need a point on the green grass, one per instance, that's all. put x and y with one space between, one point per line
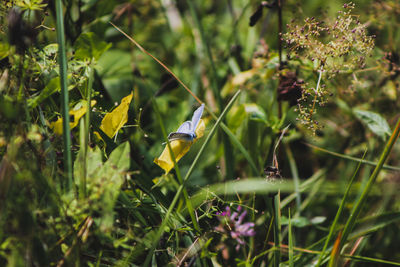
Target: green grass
299 161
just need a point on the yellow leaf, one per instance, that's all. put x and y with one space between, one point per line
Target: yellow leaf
179 148
75 114
114 120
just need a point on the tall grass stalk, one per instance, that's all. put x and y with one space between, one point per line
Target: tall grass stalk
361 201
86 132
229 158
182 186
64 94
277 230
291 258
339 212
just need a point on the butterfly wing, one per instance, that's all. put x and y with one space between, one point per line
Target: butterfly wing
180 136
187 130
185 127
196 118
183 132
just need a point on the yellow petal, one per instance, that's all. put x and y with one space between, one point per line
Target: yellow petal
113 121
57 126
179 148
77 112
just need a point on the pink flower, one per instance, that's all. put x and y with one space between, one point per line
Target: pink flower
233 225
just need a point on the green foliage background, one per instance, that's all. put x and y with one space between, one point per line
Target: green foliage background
120 209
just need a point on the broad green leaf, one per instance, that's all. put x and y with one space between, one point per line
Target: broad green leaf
375 122
115 70
89 46
104 182
249 185
51 49
93 162
236 116
120 158
114 120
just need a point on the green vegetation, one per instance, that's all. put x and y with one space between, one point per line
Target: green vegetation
295 160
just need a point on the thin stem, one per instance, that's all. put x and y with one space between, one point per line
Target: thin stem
64 95
316 92
280 49
280 32
277 230
85 145
158 61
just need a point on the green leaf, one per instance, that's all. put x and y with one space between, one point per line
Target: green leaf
120 157
52 87
255 112
51 49
115 69
235 117
239 113
103 182
302 221
375 122
88 46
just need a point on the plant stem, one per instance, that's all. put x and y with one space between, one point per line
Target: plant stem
64 95
316 92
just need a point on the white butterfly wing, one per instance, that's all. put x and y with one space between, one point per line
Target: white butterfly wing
187 130
196 118
185 127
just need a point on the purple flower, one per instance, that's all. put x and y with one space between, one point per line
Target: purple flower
233 225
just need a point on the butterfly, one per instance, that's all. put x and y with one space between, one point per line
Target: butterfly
187 130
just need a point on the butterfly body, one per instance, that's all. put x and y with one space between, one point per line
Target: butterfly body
186 131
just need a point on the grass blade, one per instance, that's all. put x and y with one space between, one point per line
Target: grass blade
64 94
386 167
339 212
277 230
360 203
291 258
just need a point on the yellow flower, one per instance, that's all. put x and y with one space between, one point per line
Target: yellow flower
75 114
180 148
117 118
